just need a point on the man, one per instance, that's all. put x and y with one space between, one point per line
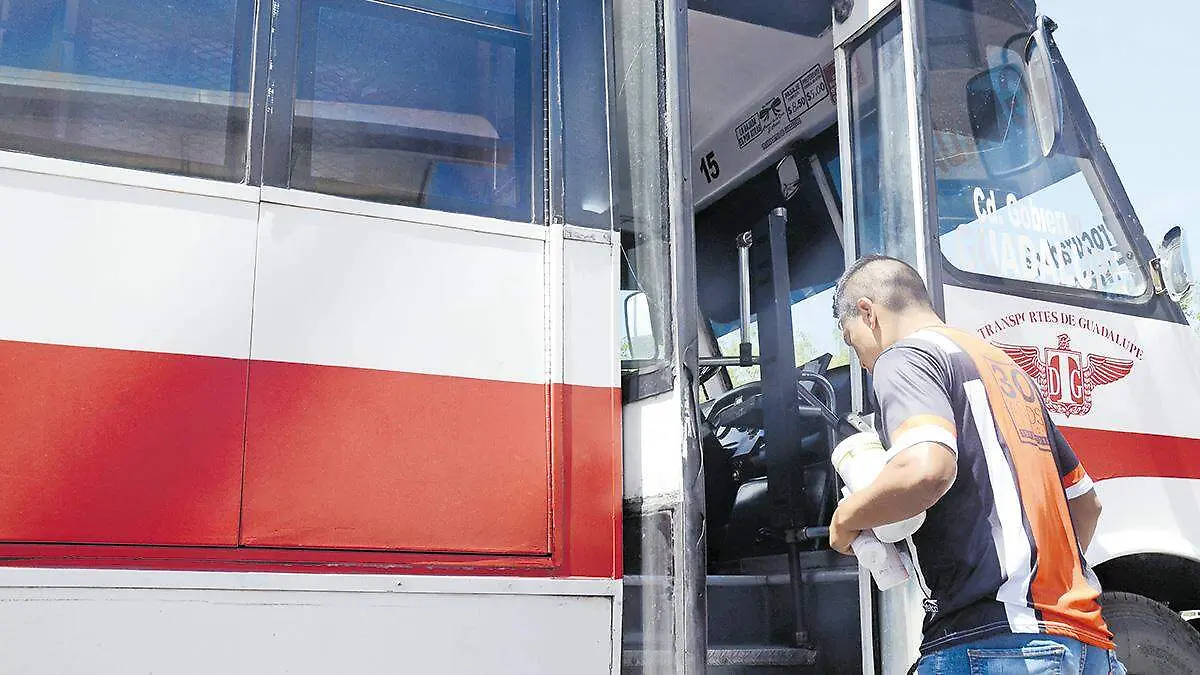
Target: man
1009 509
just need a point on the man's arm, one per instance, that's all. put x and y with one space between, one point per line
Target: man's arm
1082 501
1085 513
911 388
913 481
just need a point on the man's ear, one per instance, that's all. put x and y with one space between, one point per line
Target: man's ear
866 310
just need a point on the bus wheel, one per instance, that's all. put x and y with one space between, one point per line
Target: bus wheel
1150 638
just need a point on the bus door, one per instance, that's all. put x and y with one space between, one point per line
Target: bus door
876 53
969 152
774 586
768 251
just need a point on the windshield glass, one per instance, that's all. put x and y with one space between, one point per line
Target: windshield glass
815 333
815 257
1007 209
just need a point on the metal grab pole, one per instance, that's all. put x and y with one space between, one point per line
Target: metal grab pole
745 350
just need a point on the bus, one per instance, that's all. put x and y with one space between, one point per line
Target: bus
494 336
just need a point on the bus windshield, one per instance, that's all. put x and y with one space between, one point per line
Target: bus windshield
1019 197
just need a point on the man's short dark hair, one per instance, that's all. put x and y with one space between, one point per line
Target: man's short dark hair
888 281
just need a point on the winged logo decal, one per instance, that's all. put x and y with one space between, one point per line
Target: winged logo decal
1067 377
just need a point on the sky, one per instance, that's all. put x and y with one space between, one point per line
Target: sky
1137 74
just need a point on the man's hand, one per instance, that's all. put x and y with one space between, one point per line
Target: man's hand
914 480
840 537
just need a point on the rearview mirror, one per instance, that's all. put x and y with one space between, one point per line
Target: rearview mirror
1176 264
789 177
1016 109
1047 98
999 109
637 339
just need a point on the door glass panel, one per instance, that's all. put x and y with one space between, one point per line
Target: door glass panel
652 513
587 184
881 150
454 134
1005 209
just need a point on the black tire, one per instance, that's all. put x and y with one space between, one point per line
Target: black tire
1151 639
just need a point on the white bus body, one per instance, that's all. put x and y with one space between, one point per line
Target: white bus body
357 336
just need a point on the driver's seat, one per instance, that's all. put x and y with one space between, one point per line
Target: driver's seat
739 507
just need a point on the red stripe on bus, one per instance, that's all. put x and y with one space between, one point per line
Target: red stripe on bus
592 442
368 459
112 458
111 446
1118 454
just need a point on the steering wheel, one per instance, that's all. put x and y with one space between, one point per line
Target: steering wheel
736 407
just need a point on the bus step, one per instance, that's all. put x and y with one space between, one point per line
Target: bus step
761 656
752 656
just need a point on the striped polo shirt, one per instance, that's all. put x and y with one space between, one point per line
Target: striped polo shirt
997 553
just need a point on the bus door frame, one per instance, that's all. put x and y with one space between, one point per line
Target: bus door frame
890 621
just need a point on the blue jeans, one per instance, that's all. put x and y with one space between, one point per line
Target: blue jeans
1023 654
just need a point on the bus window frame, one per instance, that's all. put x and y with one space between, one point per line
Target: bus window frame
239 129
1103 176
284 61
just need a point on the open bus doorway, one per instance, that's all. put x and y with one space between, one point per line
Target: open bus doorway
767 469
766 172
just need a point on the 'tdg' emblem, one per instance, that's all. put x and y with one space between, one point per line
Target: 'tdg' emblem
1065 377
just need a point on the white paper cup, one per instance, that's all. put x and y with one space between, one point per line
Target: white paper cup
894 532
858 460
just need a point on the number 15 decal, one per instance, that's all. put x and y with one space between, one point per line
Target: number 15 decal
709 167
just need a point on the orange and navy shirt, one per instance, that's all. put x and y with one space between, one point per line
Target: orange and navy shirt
997 553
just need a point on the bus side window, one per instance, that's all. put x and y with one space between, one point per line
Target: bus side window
410 107
588 186
161 87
